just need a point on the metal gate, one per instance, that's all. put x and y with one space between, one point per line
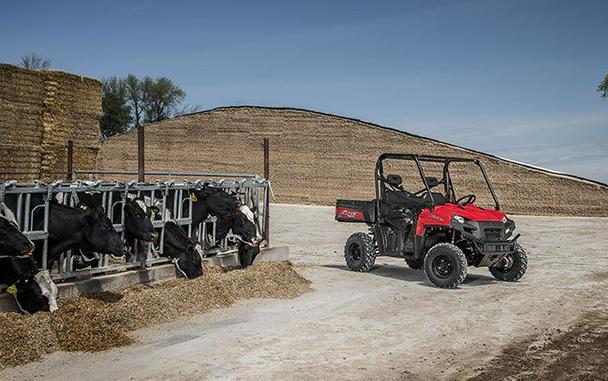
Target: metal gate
251 190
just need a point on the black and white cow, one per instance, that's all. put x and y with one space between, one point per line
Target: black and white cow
137 221
72 229
32 289
185 253
231 215
86 229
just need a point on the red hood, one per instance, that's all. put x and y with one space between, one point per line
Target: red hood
442 215
471 212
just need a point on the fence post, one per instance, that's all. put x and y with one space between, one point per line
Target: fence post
140 154
70 170
267 206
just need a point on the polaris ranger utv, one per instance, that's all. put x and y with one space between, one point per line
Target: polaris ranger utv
434 229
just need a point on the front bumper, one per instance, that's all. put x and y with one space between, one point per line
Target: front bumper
493 251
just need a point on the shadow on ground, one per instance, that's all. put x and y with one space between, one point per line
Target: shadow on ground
406 274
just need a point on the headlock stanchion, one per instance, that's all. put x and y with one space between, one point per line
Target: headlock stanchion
251 190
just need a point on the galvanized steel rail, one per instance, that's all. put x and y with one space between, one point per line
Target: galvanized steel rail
252 191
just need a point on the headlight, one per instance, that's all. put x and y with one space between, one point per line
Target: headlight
458 219
504 220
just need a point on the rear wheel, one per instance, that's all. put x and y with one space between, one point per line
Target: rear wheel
512 266
445 265
360 252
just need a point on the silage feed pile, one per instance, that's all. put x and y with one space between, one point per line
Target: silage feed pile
101 321
310 151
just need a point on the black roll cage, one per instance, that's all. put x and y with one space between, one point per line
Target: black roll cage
447 182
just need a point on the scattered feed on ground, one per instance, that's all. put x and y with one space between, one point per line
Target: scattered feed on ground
580 353
96 322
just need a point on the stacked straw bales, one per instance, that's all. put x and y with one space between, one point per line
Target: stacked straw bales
317 158
40 110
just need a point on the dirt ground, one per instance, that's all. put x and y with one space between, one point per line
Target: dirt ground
387 324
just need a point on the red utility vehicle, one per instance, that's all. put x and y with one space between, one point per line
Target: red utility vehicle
434 229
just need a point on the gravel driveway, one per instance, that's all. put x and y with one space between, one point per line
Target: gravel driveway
386 324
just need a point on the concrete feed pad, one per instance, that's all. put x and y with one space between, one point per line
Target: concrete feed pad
386 324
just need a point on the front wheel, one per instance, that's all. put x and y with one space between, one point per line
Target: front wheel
445 265
360 252
512 266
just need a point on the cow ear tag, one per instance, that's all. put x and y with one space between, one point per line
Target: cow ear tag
193 197
12 290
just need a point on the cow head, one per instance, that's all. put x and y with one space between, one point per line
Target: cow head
12 241
247 254
33 290
182 250
190 263
137 219
101 234
245 229
247 232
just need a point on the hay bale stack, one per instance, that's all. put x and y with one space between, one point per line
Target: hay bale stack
317 158
40 110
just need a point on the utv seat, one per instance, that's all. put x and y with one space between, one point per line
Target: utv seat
439 198
401 198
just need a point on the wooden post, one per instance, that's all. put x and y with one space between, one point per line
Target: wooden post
70 159
140 154
267 177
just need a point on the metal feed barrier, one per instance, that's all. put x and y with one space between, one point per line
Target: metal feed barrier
252 191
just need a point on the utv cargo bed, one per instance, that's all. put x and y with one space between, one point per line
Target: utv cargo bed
355 211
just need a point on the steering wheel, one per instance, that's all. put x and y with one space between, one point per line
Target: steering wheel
468 199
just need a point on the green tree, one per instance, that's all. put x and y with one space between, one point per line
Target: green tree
137 96
129 102
163 98
34 61
116 117
603 87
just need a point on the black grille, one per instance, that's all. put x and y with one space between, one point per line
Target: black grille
493 234
493 231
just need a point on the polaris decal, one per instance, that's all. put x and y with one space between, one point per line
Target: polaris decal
349 214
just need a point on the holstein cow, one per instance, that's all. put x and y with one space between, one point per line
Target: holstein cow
185 253
137 219
72 229
33 290
231 215
138 223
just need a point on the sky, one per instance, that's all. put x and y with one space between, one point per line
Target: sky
516 79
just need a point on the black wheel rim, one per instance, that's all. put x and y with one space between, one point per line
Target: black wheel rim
443 266
355 251
506 263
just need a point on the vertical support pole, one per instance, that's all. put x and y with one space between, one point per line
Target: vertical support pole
70 170
143 253
267 206
140 154
19 206
47 214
